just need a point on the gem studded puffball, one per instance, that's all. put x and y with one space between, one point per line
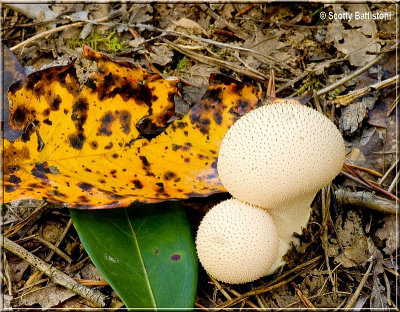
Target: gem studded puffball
273 161
236 242
277 157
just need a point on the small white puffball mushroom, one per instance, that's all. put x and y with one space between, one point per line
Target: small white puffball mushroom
277 157
237 242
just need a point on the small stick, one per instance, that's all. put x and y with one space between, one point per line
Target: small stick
55 30
237 294
353 75
346 99
367 170
209 60
6 277
352 301
96 298
348 175
303 298
213 42
12 230
198 305
253 293
395 273
299 267
324 237
370 185
14 213
393 106
238 32
32 285
92 282
342 293
223 291
57 250
317 102
260 303
388 289
37 275
271 84
292 82
245 10
394 182
278 282
365 200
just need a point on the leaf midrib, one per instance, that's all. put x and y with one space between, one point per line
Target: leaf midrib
141 260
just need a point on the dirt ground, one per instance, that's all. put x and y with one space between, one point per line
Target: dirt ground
348 257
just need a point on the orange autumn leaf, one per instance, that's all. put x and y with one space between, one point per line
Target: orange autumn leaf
107 144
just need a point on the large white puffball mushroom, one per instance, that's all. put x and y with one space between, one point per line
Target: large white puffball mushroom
277 157
237 242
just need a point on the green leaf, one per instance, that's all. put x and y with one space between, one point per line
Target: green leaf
145 252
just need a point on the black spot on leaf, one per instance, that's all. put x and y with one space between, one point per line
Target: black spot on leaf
40 170
105 127
9 188
47 122
85 187
144 161
55 103
76 140
137 184
168 175
14 179
94 144
109 145
125 120
19 116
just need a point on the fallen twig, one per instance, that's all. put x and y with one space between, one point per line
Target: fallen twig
5 274
166 32
346 99
198 305
238 32
278 282
226 295
92 282
237 294
348 175
292 82
37 275
352 301
325 207
353 75
393 106
340 293
365 200
245 10
58 29
368 184
218 285
367 170
34 216
302 297
57 250
210 60
96 298
394 182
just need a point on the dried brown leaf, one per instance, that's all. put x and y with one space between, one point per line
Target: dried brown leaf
46 297
356 254
386 234
187 26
